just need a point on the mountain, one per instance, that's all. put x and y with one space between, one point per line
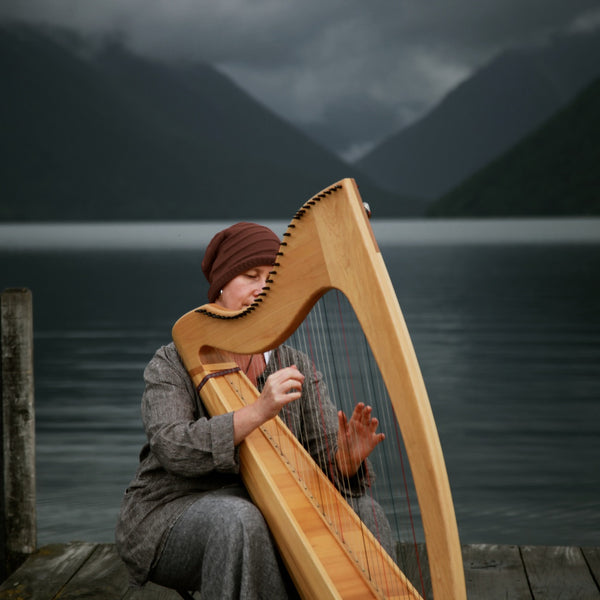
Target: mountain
484 116
102 134
553 171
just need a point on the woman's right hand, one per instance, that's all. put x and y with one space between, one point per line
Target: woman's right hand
281 388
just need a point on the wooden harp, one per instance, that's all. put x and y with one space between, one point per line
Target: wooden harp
328 245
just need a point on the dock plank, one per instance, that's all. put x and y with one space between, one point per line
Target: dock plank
559 573
102 576
46 572
495 572
592 557
78 570
90 571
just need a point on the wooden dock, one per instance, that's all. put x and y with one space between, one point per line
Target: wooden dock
93 571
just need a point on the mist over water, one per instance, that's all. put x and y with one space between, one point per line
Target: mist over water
185 235
507 335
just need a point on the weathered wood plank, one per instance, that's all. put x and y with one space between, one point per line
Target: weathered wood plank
46 572
495 572
94 571
558 572
592 557
102 576
76 571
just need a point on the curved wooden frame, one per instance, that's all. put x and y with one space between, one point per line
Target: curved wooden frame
330 245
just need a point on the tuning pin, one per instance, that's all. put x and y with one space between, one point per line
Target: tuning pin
367 209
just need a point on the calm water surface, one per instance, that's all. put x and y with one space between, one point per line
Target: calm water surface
507 336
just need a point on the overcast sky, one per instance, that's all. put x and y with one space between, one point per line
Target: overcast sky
366 67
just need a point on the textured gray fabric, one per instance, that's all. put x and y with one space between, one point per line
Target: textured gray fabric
187 454
233 558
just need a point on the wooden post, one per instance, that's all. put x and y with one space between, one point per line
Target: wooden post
17 456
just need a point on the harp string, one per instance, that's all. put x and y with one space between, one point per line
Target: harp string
348 391
388 463
308 341
305 343
375 388
320 354
326 357
336 346
363 374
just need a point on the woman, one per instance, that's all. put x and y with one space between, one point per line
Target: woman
186 521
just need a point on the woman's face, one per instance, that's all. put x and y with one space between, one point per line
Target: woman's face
243 289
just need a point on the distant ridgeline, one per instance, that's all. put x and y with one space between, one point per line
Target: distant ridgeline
109 135
553 171
489 113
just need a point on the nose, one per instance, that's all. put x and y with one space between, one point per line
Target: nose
261 282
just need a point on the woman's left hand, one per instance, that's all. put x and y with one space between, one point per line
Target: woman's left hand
357 438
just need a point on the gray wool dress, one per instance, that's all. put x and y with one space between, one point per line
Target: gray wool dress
186 521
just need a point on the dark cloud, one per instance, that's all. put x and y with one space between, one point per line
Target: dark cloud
361 69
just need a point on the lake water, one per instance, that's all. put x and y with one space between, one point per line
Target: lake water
504 317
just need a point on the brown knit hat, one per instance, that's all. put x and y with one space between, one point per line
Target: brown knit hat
235 250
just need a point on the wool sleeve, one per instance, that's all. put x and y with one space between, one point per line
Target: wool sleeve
180 434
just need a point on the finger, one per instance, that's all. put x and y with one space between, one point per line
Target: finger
289 373
362 414
293 386
293 369
342 421
284 376
356 416
366 416
290 396
374 424
285 391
